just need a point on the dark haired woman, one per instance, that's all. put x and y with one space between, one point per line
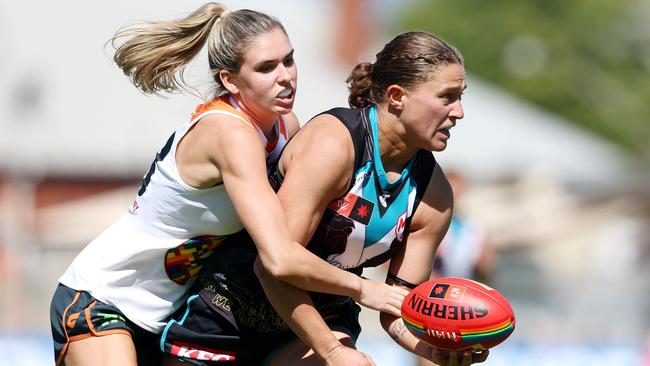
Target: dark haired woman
382 198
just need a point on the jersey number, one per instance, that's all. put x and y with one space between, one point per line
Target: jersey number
159 156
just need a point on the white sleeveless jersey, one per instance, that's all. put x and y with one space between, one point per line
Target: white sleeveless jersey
145 262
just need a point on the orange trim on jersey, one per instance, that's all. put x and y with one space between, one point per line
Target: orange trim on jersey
65 330
283 126
270 146
222 104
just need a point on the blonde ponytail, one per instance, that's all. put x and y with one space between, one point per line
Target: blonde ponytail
154 54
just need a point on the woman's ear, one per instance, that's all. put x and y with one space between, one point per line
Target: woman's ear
229 81
395 95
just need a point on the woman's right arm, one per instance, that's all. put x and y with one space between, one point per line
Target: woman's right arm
235 149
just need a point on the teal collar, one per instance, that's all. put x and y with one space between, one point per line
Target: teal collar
379 166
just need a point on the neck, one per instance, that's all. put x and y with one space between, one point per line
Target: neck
265 123
393 147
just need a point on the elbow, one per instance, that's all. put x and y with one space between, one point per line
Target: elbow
258 269
285 263
278 267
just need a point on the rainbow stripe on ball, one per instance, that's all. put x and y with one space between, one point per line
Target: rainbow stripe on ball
471 337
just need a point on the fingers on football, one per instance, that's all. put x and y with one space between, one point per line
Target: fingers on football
467 357
402 291
480 356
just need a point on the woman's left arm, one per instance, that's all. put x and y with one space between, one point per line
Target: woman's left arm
413 264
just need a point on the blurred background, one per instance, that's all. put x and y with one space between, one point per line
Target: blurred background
551 164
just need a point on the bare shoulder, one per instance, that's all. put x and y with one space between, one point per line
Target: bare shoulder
324 135
219 135
322 148
214 144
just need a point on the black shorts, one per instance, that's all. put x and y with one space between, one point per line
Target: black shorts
76 315
228 318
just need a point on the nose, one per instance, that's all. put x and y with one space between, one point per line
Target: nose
284 74
457 111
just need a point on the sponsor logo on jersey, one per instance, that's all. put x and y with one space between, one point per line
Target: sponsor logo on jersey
134 207
399 227
382 199
354 207
72 320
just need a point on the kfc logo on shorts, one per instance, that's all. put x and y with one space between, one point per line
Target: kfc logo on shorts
186 350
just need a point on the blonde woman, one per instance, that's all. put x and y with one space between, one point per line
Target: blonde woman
208 182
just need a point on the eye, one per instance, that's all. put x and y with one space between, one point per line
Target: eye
449 97
266 68
289 61
452 97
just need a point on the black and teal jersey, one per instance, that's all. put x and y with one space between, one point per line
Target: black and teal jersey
365 227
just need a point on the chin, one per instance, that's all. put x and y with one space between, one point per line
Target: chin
438 146
283 109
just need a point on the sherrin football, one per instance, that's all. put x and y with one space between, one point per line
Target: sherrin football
455 313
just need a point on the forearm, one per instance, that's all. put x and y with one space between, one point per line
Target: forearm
397 330
297 310
301 268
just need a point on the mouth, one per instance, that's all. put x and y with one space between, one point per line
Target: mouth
445 132
285 98
286 93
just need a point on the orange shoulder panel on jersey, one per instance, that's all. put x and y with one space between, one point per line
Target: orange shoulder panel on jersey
222 103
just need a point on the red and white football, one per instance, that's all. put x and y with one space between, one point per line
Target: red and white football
456 313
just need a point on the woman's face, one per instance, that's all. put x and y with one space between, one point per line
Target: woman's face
266 81
431 109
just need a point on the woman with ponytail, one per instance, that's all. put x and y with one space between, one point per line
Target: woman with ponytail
206 184
383 199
